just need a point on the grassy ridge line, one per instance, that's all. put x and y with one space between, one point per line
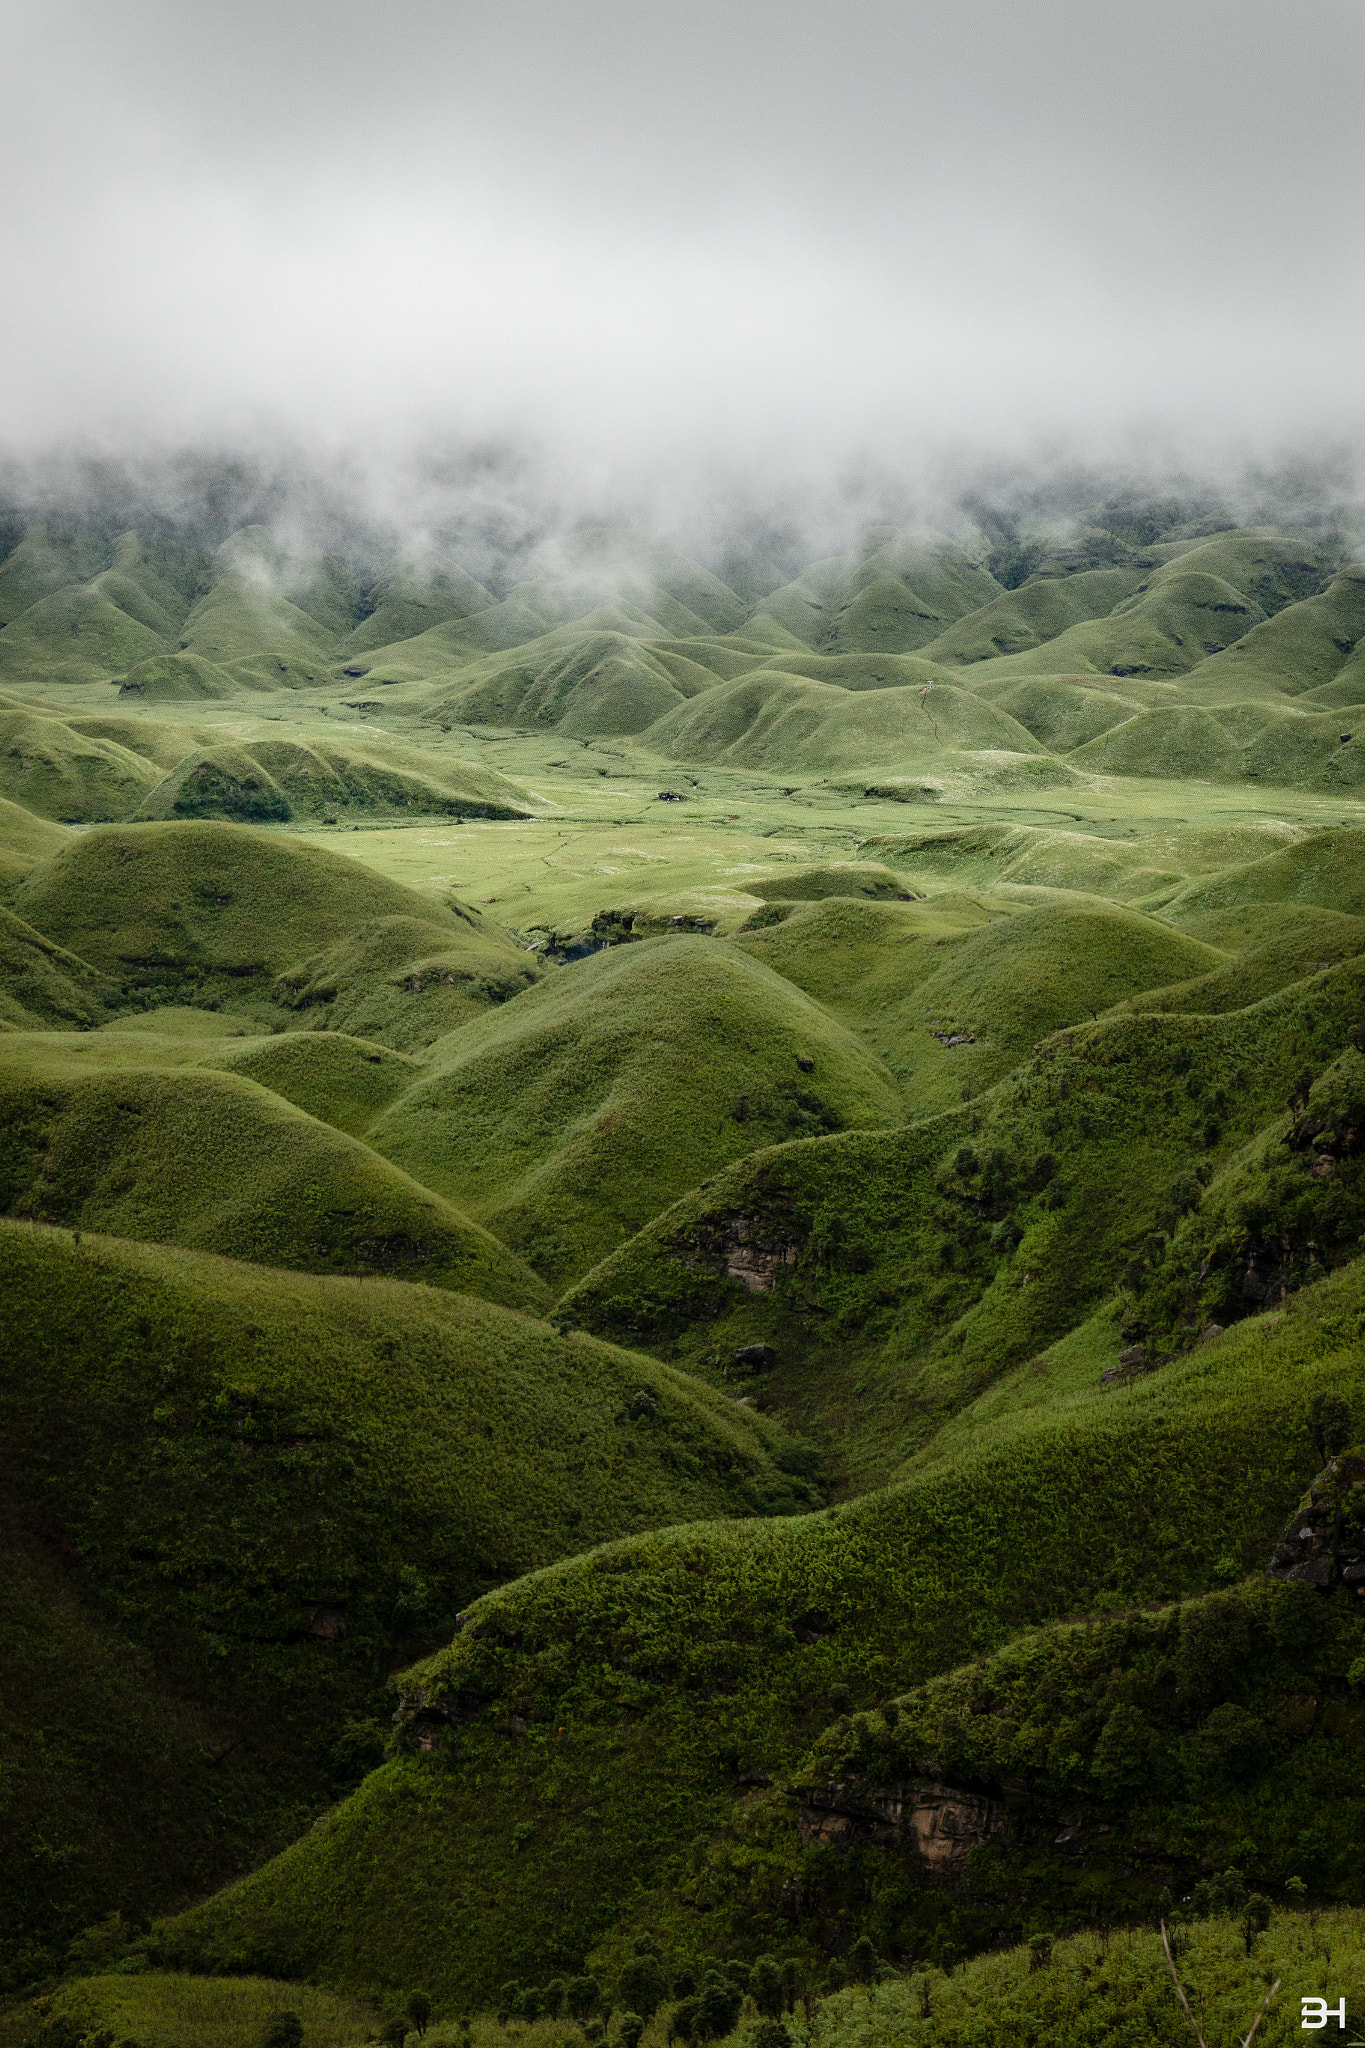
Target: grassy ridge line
946 1253
405 980
1004 985
205 899
42 986
590 1719
565 1118
217 1162
216 1453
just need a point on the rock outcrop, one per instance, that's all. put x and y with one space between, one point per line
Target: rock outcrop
1323 1544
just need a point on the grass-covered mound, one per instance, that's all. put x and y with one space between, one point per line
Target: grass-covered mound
405 602
1325 869
1307 940
895 594
859 671
785 724
1036 611
160 2010
579 685
1301 648
1134 866
651 1681
49 555
47 767
256 607
45 988
263 1487
178 902
340 1080
406 980
1182 612
1062 715
273 781
74 636
25 839
951 1010
569 1116
218 1162
862 878
175 679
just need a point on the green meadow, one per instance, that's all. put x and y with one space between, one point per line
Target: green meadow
684 1287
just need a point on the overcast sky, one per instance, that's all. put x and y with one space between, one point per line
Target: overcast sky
655 234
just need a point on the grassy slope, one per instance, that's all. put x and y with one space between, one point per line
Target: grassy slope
786 724
906 1272
1191 607
1037 611
162 2011
283 779
567 1117
25 838
43 987
652 1675
406 980
194 900
1008 984
1103 1992
217 1162
215 1449
596 683
49 768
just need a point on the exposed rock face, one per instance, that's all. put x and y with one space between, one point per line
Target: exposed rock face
752 1257
943 1822
1323 1544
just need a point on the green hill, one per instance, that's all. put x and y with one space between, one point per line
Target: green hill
406 980
256 1491
25 840
1195 605
78 632
405 604
1326 869
897 594
254 607
51 555
1301 648
175 679
185 903
43 987
994 990
50 768
274 781
598 683
785 724
1035 612
645 1818
567 1117
217 1162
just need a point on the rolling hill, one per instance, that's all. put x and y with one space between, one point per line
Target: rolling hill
736 1186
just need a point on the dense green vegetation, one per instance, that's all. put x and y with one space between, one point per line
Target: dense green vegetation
747 1200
